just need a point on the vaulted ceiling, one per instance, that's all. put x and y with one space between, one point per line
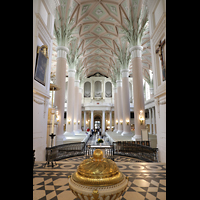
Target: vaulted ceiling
98 29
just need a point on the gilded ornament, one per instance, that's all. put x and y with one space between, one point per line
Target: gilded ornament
95 194
98 178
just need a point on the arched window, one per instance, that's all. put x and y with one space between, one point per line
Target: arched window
87 89
108 92
97 89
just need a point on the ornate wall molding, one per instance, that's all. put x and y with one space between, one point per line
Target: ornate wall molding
42 30
158 102
41 99
38 102
160 29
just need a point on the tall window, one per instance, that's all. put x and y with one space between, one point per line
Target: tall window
87 89
108 92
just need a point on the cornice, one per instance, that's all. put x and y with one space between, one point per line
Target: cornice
161 90
40 93
43 28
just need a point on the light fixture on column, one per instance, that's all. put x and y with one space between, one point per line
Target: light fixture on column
127 121
69 120
108 122
141 118
78 122
57 116
117 122
74 122
121 121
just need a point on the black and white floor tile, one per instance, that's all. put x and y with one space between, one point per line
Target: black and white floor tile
147 181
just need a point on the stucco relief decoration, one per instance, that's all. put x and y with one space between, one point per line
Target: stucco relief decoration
99 11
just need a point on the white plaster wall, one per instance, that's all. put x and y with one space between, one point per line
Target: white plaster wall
161 134
157 21
39 131
42 34
158 11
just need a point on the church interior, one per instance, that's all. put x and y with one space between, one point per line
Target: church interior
99 99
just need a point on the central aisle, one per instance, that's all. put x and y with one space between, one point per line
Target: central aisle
92 140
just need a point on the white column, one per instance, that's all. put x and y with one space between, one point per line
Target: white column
103 122
125 103
150 121
76 107
60 94
136 52
111 120
80 109
153 113
119 106
116 110
84 120
70 103
92 120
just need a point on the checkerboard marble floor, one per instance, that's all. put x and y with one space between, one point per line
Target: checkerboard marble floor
147 181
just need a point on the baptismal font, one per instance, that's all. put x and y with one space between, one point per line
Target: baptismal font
97 178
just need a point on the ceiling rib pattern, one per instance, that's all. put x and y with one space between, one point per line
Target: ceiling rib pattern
97 25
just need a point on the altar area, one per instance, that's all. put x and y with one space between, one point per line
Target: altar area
92 145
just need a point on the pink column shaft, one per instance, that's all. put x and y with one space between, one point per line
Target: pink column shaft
125 103
138 89
60 94
70 101
116 110
76 92
119 107
80 109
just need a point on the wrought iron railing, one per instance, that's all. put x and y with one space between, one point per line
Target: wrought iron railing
132 149
64 151
124 148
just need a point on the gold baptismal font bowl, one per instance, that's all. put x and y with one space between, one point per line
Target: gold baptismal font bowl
98 178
